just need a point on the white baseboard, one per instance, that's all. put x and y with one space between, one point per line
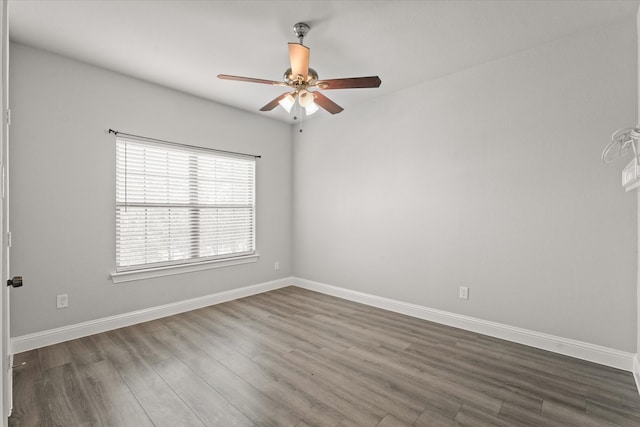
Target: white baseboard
569 347
66 333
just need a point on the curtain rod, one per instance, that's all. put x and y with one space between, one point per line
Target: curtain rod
144 138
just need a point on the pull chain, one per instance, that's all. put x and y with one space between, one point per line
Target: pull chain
301 117
298 116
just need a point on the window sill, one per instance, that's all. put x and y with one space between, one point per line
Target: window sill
149 273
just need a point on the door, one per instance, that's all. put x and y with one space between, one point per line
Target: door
5 349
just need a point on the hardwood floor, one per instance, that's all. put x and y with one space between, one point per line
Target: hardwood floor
292 357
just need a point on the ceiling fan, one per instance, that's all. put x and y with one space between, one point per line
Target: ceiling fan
300 78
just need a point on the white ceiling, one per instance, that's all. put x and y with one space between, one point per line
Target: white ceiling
185 44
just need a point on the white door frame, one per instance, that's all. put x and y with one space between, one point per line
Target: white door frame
5 351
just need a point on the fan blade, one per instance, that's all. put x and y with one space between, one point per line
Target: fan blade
273 104
299 58
250 80
326 103
350 83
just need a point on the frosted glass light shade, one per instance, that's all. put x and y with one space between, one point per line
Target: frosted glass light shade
287 102
310 109
305 98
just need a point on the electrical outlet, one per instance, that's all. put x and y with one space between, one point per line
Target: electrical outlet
464 292
62 301
276 265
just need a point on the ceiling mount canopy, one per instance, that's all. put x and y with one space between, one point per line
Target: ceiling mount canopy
301 78
301 29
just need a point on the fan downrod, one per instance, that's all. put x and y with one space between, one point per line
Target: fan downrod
301 29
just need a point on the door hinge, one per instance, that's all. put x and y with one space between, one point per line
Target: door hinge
9 116
9 239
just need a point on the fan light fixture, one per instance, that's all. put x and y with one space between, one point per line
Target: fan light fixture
305 99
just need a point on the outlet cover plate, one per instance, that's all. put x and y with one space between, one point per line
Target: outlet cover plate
62 301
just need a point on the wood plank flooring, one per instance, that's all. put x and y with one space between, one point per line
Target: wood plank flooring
292 357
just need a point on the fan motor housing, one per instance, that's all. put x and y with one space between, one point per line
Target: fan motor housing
291 80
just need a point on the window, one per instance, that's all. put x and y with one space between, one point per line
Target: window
178 205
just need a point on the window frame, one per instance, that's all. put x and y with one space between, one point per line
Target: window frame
195 261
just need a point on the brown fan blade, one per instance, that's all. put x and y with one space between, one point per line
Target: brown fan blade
299 58
350 83
273 104
250 80
326 103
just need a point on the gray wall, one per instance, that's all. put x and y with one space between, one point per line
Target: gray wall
63 187
489 178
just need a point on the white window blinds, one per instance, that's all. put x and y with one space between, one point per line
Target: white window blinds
178 205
